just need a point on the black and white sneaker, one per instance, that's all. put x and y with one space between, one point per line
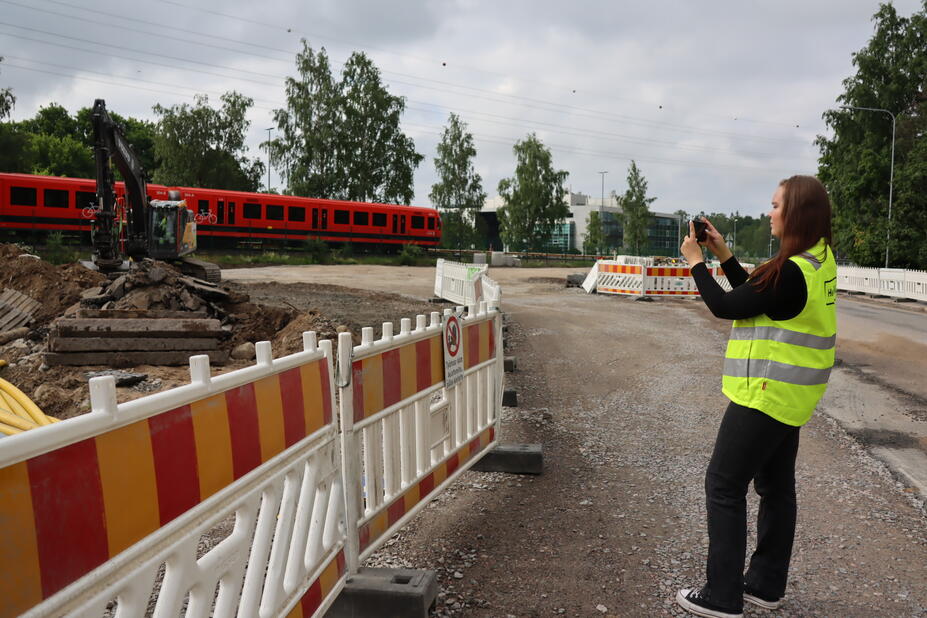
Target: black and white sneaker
693 602
752 596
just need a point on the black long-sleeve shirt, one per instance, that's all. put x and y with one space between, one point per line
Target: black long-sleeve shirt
783 301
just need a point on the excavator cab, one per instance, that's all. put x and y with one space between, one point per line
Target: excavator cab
173 230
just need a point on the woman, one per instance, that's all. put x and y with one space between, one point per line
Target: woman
778 360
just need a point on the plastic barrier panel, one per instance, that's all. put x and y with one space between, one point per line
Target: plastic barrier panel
669 281
405 436
615 278
220 497
492 291
459 283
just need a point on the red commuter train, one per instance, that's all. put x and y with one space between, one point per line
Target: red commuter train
35 205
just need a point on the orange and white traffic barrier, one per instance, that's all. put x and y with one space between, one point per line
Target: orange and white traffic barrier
406 434
96 506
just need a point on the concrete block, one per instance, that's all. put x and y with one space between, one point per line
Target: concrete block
386 593
508 364
513 458
510 398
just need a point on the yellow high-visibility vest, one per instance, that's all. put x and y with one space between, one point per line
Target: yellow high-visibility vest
781 367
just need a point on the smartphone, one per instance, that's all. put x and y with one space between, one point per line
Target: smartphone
701 230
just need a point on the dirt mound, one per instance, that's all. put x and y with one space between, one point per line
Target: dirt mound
290 339
56 287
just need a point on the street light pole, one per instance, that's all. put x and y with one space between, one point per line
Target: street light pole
268 157
602 209
891 172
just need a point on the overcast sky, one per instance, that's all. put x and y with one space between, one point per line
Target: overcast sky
715 100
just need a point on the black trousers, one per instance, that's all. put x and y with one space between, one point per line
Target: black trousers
750 446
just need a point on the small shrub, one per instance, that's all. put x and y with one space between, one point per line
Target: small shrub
410 255
318 250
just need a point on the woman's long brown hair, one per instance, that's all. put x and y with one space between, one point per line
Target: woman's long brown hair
805 220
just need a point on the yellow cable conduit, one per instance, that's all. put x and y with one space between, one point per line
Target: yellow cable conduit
18 413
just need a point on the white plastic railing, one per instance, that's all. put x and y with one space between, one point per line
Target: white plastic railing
222 497
459 283
405 436
894 282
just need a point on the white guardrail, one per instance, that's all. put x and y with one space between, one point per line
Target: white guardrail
894 282
465 284
246 494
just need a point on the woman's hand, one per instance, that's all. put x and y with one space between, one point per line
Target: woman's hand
715 242
690 248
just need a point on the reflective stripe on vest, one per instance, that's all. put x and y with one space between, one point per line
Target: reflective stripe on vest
774 370
781 367
784 335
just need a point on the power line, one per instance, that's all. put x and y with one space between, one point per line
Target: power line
485 94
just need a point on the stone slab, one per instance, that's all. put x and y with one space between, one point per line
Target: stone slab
129 344
142 327
513 458
133 359
386 593
509 363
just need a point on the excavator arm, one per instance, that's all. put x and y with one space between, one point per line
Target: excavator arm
110 145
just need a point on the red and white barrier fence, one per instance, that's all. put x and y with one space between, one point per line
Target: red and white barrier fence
222 497
619 277
243 494
406 435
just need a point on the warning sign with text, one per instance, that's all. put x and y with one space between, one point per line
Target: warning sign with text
453 350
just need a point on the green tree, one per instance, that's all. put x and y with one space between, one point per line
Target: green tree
7 101
343 139
139 133
635 208
533 197
377 158
855 160
306 150
55 155
594 238
203 147
458 194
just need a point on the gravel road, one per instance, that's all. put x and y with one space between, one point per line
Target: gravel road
625 398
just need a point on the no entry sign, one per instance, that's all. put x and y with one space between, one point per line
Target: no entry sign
453 350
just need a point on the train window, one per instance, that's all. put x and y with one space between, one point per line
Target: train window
361 217
342 217
418 222
274 213
22 196
56 198
204 207
252 211
379 219
85 199
296 213
431 223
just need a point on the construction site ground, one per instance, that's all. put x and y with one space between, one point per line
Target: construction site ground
625 398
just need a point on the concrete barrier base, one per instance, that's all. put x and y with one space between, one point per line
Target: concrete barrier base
510 398
513 458
386 593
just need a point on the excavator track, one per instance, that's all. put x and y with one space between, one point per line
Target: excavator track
207 271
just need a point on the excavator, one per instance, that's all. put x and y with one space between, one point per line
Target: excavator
138 227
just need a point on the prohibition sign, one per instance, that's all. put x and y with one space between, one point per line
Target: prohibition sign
452 336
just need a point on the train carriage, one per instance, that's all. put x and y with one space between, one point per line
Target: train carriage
32 206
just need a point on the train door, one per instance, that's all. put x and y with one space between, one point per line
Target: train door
220 211
324 218
402 224
395 224
231 213
315 218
